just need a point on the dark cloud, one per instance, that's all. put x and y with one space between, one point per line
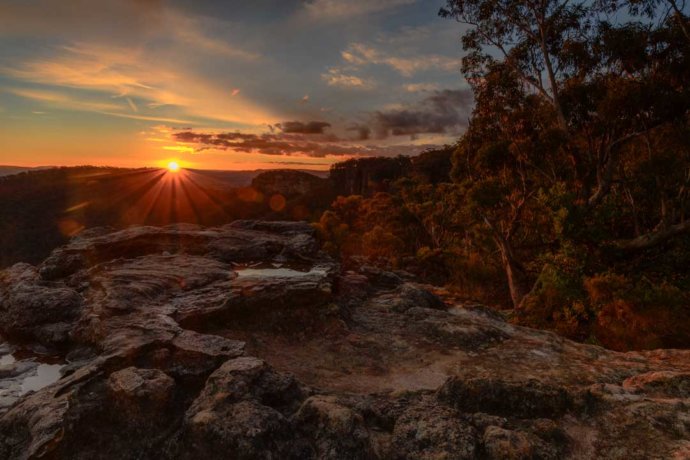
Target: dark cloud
299 127
269 143
363 132
290 144
441 112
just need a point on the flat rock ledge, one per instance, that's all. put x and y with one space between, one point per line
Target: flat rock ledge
247 342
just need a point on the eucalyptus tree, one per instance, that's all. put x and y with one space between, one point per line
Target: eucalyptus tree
566 98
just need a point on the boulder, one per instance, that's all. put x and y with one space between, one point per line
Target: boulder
334 430
35 311
429 431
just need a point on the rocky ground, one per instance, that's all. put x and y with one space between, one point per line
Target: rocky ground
246 342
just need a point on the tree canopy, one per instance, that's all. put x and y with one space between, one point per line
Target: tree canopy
568 194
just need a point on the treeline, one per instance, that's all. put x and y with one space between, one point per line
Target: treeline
568 198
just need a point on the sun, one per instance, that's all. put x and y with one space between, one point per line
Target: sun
173 166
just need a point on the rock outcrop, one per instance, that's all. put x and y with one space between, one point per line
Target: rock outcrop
288 183
247 342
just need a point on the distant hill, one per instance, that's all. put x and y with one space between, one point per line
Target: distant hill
244 178
232 178
42 209
9 170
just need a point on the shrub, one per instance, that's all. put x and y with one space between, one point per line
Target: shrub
638 315
557 303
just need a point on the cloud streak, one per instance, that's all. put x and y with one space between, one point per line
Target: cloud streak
339 78
332 10
359 55
133 73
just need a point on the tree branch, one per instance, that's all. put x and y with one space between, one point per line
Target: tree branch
654 238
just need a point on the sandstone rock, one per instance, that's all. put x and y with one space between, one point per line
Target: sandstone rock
245 341
31 310
238 412
247 378
283 228
380 277
410 296
35 426
194 355
335 431
141 389
430 432
525 399
502 444
665 383
244 430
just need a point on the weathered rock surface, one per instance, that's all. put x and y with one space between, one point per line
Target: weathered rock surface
246 342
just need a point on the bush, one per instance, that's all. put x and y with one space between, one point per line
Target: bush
557 303
382 245
638 315
474 277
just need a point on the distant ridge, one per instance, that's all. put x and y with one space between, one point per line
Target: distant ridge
243 178
6 170
50 205
235 178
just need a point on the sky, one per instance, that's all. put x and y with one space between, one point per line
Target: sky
226 84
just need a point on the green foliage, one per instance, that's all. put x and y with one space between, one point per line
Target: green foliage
493 156
379 228
474 276
643 296
637 314
557 299
332 232
486 195
380 244
433 166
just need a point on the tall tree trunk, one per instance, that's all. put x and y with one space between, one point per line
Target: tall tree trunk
555 91
515 274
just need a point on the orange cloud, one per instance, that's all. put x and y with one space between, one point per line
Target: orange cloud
135 73
359 54
336 77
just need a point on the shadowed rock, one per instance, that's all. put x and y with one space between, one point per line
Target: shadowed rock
33 310
333 429
431 431
524 399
